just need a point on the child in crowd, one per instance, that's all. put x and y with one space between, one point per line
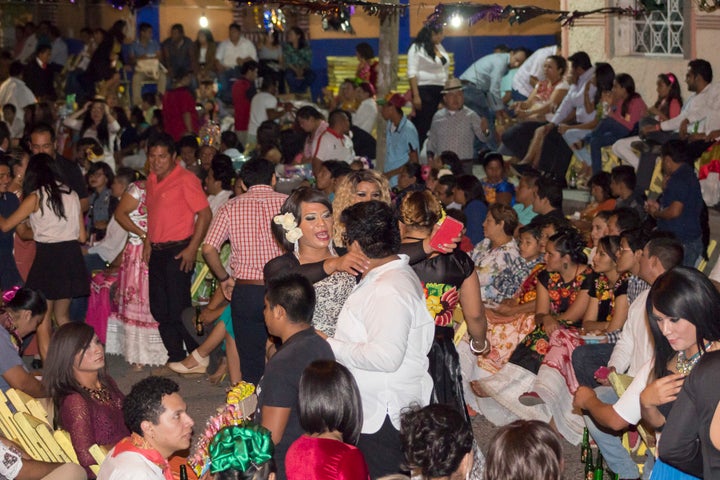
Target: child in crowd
102 203
524 197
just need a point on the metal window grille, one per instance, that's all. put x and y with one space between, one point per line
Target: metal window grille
660 31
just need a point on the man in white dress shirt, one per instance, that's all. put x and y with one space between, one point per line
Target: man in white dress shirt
631 353
384 333
230 56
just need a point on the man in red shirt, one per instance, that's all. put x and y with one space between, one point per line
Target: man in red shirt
242 92
178 218
245 221
179 114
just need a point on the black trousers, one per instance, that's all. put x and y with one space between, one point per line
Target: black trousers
382 450
556 155
169 290
430 97
250 331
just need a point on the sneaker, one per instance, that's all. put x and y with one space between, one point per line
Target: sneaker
530 399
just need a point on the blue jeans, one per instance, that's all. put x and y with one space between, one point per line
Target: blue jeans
586 359
299 84
226 80
693 249
609 442
606 133
476 100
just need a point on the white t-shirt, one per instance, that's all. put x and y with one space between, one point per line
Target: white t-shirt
332 147
628 406
112 243
128 466
365 116
259 105
227 53
532 67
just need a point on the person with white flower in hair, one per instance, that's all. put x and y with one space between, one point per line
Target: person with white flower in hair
245 221
304 227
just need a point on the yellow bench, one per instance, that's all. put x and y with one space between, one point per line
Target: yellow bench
30 428
340 68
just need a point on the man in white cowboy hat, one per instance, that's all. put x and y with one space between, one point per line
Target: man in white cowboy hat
456 126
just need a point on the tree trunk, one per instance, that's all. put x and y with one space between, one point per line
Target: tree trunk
387 75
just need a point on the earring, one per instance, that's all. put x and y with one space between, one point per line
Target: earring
565 265
296 248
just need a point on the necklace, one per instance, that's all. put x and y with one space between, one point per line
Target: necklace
414 238
101 395
685 365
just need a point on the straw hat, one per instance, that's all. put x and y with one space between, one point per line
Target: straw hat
452 85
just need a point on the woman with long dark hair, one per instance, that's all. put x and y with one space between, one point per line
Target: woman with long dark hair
96 121
668 105
205 49
428 67
22 311
58 270
627 109
297 60
87 400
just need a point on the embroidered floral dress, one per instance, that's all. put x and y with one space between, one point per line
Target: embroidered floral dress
504 333
493 266
531 351
132 331
442 276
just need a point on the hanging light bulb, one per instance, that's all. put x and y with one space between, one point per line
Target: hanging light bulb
204 21
456 21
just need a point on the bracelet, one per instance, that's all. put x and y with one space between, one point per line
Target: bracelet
227 277
485 348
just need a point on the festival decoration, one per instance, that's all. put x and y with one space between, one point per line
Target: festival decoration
339 20
274 20
448 13
240 404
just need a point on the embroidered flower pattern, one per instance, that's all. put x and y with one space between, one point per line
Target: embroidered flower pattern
441 300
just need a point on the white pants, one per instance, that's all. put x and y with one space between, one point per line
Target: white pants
622 148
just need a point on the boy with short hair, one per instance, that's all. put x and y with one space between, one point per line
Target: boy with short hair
524 197
289 307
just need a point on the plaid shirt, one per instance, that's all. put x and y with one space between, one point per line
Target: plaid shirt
245 221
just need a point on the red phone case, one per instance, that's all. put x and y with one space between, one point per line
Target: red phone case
449 230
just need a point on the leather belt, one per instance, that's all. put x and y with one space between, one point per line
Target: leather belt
166 245
239 281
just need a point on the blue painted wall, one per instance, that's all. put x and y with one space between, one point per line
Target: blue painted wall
466 49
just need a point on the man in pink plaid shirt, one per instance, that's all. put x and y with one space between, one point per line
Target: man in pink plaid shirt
245 222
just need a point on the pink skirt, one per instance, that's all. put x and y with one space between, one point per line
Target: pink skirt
132 331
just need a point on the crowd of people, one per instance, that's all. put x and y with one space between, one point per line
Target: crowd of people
338 288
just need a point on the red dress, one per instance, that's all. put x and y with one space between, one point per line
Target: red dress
312 458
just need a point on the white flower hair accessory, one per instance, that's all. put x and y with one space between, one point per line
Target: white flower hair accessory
288 223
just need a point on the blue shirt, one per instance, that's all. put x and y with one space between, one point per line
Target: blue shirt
399 142
525 214
684 187
139 50
487 74
475 211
